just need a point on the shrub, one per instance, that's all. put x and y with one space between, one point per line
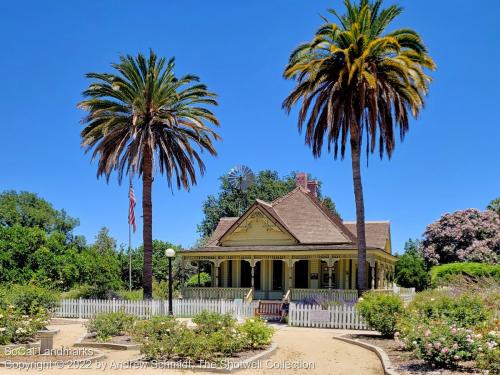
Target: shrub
469 235
205 279
463 310
489 352
446 273
381 311
131 295
410 270
110 324
87 291
256 332
445 346
17 327
230 341
209 322
324 301
28 298
215 336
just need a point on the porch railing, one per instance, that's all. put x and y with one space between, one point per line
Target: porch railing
341 295
249 296
216 293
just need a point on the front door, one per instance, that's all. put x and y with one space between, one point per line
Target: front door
302 274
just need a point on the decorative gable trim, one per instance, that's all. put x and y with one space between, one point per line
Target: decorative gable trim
263 213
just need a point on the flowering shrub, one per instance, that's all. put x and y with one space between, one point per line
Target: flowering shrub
381 311
256 332
214 337
16 327
324 301
109 324
488 356
445 345
469 235
208 322
463 310
28 298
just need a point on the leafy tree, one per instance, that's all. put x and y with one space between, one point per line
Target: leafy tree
410 267
180 271
143 117
463 236
495 206
104 243
354 79
26 209
230 202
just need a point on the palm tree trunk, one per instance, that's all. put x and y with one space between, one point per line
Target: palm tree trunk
147 226
360 214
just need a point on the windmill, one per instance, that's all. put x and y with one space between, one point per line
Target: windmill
241 178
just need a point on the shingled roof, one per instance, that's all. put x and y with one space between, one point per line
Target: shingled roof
303 216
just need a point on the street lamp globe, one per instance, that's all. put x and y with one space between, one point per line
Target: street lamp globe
170 253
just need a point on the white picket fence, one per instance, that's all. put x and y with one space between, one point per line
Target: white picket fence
340 316
88 308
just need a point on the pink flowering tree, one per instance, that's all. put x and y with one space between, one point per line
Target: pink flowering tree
463 236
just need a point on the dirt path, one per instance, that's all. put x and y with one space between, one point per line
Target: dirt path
308 350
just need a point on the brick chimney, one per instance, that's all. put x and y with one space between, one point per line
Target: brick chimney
301 180
312 186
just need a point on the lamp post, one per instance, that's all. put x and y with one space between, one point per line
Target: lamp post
170 253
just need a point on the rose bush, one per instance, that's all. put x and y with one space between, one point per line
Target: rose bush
106 325
445 346
215 336
17 327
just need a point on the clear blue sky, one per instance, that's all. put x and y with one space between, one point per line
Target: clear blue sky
449 161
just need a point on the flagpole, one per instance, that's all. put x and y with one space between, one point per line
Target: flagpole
130 247
129 258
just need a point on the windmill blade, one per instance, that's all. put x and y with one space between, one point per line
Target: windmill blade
241 177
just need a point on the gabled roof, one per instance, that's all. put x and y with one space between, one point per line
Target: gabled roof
298 213
376 232
309 220
267 210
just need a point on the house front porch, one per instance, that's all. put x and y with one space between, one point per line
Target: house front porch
265 276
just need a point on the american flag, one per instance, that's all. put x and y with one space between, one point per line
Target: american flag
131 206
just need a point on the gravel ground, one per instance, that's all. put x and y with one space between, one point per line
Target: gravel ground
310 350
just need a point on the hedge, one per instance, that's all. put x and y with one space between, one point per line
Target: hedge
445 272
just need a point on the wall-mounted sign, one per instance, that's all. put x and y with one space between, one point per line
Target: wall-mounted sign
319 316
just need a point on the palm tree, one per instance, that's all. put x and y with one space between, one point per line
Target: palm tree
356 80
143 119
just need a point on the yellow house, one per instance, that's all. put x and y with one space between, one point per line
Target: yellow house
292 246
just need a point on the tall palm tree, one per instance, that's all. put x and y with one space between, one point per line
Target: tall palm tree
144 119
356 80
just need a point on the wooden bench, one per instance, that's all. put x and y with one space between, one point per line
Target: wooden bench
269 310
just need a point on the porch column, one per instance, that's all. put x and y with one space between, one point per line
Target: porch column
199 277
290 263
372 268
384 276
330 263
217 263
253 263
